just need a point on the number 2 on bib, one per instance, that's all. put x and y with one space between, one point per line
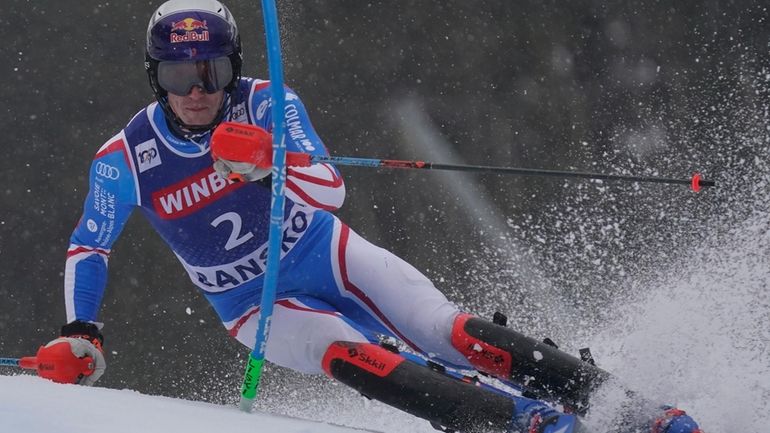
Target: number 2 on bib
236 237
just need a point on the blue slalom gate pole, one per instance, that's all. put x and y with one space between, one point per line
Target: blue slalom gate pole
256 359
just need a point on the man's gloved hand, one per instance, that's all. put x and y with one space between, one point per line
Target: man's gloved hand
242 171
241 151
75 357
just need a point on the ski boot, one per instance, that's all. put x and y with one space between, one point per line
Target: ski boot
533 416
453 403
675 421
545 371
548 373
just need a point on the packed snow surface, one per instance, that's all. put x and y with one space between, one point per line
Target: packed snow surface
32 405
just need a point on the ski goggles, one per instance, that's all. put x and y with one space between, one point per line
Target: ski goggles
180 77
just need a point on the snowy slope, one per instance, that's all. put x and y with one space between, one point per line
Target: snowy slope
32 405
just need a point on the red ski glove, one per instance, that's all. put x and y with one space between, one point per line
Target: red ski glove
242 152
75 357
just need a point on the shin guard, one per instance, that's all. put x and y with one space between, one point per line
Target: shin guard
417 389
543 370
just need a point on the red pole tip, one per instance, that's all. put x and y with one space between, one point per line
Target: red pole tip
695 182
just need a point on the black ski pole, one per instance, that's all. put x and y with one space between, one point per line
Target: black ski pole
695 182
239 139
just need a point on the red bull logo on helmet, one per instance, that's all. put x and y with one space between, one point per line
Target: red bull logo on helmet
189 30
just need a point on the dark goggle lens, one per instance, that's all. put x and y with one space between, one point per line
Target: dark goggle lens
180 77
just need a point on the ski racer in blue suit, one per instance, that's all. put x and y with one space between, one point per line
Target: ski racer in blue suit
337 293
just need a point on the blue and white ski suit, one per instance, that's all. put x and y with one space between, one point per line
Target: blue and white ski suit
333 284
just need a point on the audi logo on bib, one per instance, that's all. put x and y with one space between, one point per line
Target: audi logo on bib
107 171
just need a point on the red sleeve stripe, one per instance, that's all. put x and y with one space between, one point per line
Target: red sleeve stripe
118 145
306 197
260 86
115 146
335 182
80 250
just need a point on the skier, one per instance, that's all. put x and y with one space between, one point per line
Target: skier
337 293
